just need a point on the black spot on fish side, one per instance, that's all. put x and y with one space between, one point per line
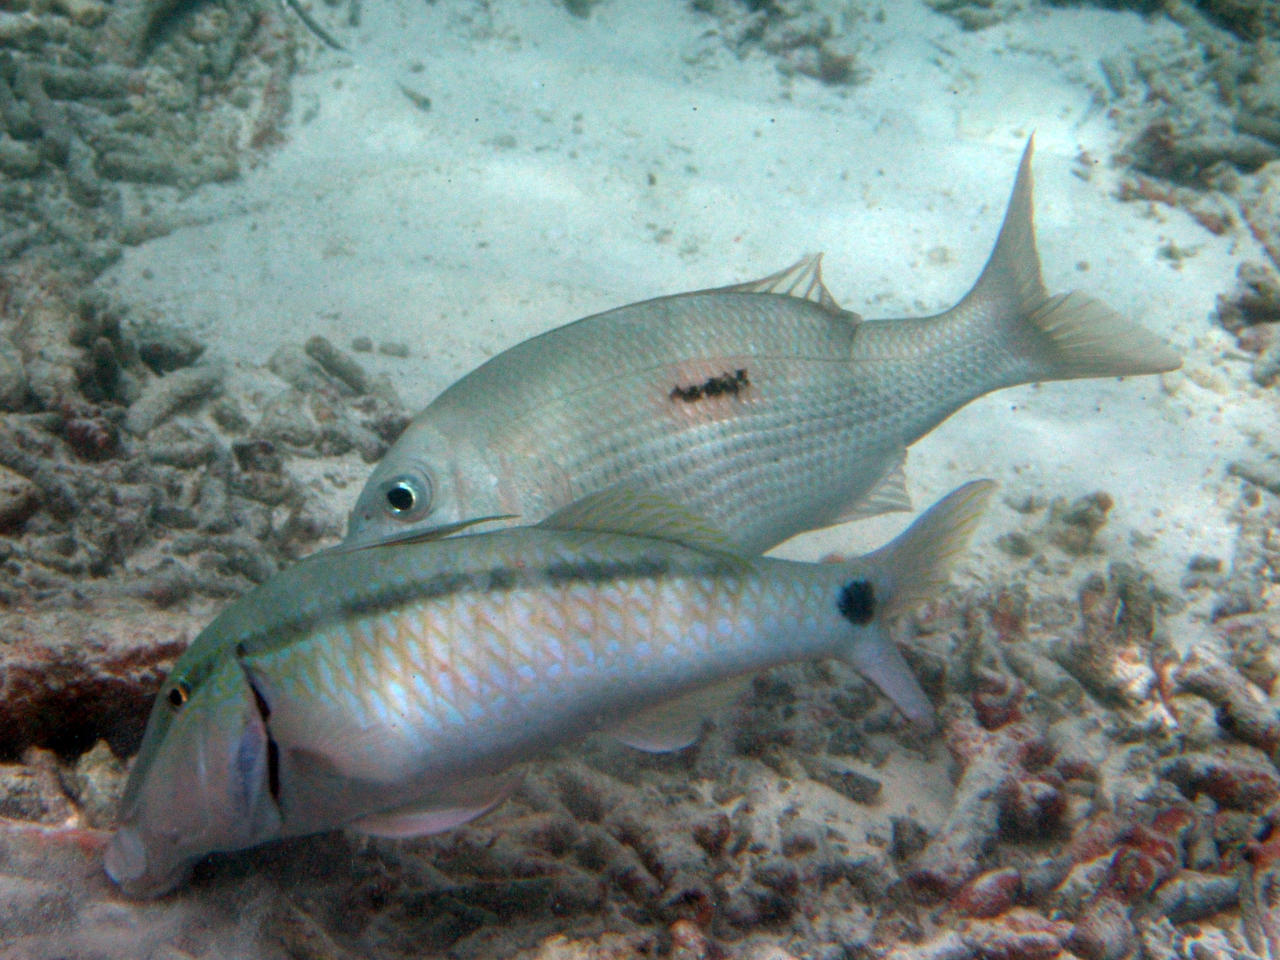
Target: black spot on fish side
727 383
857 602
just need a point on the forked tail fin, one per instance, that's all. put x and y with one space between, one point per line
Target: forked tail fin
1060 337
890 580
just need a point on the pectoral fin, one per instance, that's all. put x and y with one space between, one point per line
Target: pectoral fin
321 737
676 724
419 536
441 811
640 513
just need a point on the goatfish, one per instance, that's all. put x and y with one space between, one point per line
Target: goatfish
397 689
762 407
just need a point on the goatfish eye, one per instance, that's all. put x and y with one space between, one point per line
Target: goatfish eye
408 497
178 694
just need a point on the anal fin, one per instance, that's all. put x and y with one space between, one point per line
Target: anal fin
888 495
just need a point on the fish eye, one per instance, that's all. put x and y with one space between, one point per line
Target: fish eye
401 497
178 694
407 495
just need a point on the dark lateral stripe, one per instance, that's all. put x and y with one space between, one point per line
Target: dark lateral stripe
558 574
391 597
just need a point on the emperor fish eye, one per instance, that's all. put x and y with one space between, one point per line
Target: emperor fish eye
401 498
178 694
406 495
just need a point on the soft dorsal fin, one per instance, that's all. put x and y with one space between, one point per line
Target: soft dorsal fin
639 513
803 280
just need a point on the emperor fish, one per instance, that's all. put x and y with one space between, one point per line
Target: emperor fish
762 407
395 689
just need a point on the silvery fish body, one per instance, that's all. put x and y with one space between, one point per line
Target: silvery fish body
395 689
762 407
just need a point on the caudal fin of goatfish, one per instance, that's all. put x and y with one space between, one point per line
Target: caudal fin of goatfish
1060 337
903 572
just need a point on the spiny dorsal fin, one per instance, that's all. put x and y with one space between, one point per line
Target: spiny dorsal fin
803 280
639 513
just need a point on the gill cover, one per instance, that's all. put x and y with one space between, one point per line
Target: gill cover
202 782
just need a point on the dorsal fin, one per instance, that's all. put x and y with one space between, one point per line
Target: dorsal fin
639 513
803 280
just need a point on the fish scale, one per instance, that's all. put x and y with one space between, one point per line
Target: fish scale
471 714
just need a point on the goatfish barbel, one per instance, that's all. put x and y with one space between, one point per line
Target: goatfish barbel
395 689
762 407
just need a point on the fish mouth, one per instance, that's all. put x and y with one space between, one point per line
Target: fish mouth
127 863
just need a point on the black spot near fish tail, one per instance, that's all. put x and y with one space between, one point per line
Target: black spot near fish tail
857 602
728 382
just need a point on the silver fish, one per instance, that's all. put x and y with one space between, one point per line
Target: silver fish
762 407
396 689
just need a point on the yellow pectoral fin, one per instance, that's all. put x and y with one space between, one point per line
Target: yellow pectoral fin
640 513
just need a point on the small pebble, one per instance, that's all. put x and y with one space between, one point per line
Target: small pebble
1266 366
164 396
165 348
858 787
338 364
19 498
1016 544
1203 563
1262 473
13 379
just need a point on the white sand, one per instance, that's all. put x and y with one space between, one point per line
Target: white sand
522 200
